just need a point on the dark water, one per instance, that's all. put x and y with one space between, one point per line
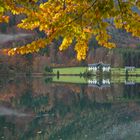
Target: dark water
31 109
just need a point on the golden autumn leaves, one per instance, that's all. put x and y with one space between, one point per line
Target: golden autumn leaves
74 21
4 18
29 48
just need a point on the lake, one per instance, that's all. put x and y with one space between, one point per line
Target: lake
33 109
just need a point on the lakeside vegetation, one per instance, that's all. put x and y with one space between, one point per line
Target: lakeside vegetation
121 71
82 70
116 75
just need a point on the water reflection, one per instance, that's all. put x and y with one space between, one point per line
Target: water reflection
31 109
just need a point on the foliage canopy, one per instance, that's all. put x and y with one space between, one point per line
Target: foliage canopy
74 20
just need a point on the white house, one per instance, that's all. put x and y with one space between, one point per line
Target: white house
106 67
98 66
93 67
129 68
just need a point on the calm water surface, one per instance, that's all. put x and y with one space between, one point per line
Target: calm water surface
31 109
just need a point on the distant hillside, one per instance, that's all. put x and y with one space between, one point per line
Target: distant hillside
13 36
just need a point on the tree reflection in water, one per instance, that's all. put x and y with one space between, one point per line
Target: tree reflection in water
68 111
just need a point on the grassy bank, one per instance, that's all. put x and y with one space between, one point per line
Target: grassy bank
70 70
121 71
81 70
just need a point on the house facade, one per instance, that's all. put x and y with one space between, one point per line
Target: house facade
99 66
129 68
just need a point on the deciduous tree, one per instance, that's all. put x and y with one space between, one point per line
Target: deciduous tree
76 21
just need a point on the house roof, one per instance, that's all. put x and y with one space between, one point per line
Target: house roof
92 65
129 67
106 65
98 64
